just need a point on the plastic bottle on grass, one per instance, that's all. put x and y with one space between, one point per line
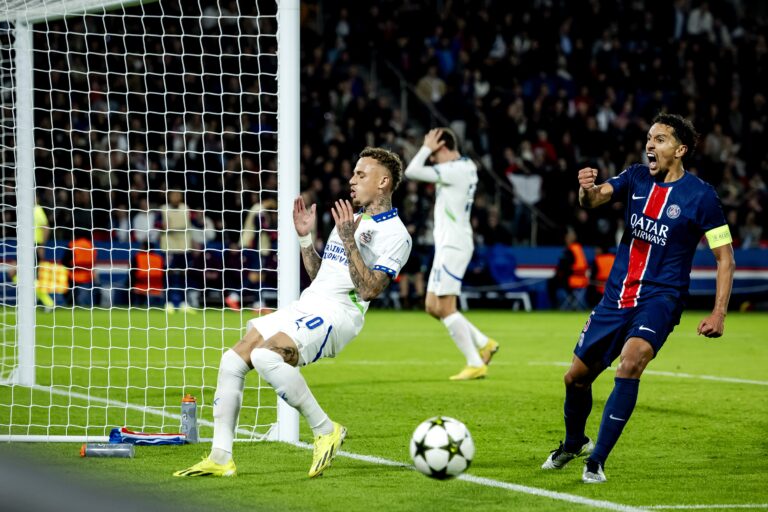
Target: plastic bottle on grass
189 418
123 450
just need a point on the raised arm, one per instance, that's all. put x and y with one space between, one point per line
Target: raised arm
368 283
590 194
304 221
417 168
713 325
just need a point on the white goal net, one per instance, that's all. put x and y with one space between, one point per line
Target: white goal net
140 200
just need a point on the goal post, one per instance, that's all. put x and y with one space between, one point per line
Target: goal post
110 111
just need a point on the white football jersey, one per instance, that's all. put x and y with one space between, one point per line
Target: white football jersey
384 244
456 184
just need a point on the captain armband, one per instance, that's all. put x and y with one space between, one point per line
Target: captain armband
719 236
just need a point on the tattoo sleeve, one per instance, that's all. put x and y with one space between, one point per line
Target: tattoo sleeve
368 283
311 261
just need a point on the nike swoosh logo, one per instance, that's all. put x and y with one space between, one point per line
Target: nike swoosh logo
615 418
638 197
644 328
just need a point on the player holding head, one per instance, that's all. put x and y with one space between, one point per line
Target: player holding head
456 180
364 252
668 211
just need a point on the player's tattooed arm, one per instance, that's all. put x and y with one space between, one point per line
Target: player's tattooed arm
311 261
304 221
368 283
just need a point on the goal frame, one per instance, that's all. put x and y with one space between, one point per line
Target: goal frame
286 427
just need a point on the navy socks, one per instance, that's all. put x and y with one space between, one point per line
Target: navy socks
617 411
578 405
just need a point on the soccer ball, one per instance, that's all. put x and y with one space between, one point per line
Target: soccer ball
442 448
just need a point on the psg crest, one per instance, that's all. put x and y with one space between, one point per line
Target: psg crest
673 211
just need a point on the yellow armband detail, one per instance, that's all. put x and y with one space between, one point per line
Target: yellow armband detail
719 236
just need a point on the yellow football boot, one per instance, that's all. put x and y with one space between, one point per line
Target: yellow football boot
326 447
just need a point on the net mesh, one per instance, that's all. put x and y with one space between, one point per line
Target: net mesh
156 210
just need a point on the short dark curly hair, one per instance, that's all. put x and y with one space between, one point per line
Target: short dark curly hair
389 160
682 129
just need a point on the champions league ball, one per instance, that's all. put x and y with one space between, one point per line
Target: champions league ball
442 448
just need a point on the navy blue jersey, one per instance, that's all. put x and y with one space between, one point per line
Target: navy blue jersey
664 224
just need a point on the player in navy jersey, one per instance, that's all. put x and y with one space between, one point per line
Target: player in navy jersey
668 212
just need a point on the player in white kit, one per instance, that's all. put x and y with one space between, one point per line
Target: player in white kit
364 252
456 180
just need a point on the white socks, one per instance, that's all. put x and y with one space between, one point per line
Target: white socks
291 387
226 404
478 337
461 331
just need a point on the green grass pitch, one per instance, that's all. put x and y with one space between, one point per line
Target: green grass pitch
698 436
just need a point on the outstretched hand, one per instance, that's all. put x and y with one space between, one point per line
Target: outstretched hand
587 177
303 218
344 216
712 326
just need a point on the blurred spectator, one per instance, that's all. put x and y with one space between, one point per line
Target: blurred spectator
431 88
601 269
143 224
527 193
750 233
567 288
175 240
80 259
147 278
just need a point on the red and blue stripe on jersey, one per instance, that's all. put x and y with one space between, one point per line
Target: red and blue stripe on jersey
664 224
640 250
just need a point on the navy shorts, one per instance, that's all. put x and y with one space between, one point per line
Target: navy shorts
607 329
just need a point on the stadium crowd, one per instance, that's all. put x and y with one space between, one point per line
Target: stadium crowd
537 90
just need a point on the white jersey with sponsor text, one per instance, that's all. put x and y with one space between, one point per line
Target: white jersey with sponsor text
384 244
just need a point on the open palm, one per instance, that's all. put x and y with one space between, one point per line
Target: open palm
303 217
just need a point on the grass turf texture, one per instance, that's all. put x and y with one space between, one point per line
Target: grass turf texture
690 441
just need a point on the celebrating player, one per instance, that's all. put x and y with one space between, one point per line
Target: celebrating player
456 179
364 252
668 212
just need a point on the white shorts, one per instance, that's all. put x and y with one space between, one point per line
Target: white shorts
319 330
448 270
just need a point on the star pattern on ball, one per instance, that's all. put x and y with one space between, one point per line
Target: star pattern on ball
453 448
421 449
441 474
437 422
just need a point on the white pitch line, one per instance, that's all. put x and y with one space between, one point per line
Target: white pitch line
561 496
733 380
125 405
704 507
488 482
406 362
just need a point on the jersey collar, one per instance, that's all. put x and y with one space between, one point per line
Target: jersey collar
381 217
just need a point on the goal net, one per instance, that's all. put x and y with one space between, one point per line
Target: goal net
140 208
